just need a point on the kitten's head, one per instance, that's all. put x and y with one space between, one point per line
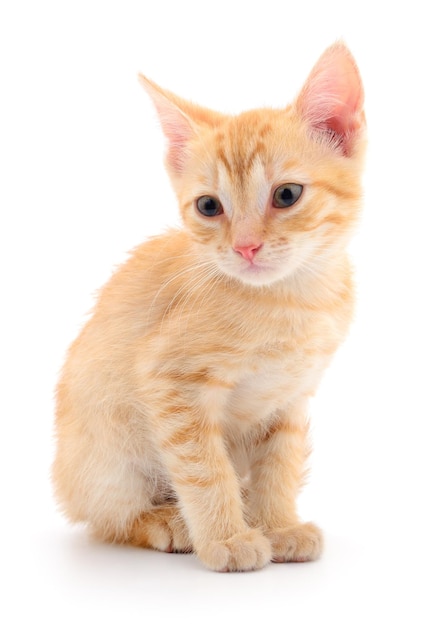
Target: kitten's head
269 193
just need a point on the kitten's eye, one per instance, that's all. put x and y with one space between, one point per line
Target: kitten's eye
286 195
209 206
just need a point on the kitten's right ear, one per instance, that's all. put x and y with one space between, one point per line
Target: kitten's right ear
176 125
332 98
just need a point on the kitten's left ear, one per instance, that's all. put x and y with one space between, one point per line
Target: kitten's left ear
181 121
332 98
177 126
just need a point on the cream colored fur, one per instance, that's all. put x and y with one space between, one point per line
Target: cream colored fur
182 417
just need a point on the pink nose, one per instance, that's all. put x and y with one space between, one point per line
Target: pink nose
248 252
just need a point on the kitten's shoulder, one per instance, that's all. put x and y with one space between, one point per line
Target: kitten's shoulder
154 260
132 287
167 245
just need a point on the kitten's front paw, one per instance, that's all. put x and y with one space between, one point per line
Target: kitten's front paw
242 552
299 543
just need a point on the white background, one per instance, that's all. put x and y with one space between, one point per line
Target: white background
82 182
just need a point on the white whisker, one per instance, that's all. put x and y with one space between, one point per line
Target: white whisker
202 271
173 278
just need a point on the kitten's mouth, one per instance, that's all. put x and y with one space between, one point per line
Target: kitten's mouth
255 268
256 273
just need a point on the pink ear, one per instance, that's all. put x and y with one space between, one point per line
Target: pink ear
177 127
332 97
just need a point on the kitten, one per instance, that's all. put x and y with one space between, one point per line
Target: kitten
182 406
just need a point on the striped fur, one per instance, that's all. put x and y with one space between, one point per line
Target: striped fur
182 406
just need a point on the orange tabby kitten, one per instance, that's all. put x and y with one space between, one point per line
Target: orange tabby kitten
182 406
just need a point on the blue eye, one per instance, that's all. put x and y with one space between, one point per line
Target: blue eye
209 206
287 195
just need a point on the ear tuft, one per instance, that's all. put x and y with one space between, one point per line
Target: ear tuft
331 100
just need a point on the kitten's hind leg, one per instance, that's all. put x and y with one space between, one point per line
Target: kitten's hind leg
162 528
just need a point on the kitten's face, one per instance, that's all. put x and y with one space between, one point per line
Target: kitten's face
263 199
270 193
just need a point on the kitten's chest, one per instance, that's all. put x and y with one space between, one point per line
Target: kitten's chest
287 365
273 380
